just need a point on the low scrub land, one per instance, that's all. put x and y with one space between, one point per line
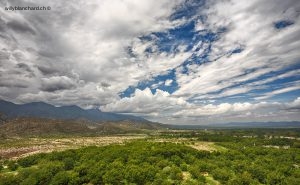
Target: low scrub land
15 148
232 157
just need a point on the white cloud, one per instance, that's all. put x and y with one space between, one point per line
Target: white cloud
294 73
223 108
199 26
87 52
86 42
161 106
168 82
144 101
294 105
279 91
265 49
240 112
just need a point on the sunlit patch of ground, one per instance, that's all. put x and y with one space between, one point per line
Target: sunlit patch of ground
16 148
207 146
192 142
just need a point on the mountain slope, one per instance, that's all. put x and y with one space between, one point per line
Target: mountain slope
42 126
44 110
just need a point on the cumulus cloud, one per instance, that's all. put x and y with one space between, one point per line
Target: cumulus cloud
56 83
294 106
162 106
223 108
144 101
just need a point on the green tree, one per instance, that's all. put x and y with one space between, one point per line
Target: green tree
12 165
274 177
9 179
28 161
61 178
242 179
29 181
68 163
222 174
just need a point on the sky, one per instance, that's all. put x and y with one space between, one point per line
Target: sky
171 61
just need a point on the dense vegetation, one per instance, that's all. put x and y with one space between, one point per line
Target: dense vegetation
246 160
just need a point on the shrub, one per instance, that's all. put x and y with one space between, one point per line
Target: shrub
61 178
12 165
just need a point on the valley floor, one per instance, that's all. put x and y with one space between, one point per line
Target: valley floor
15 148
167 157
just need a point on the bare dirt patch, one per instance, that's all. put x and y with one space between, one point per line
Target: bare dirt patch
207 146
14 149
191 142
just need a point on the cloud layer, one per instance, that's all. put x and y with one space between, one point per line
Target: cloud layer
162 106
170 61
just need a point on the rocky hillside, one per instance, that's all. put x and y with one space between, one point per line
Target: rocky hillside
42 126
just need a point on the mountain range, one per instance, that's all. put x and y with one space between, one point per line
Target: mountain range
38 118
44 110
241 125
46 127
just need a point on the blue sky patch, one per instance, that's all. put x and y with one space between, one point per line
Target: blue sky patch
283 24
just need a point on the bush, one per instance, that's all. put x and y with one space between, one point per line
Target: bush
61 178
9 179
68 163
222 174
184 167
27 161
29 181
12 165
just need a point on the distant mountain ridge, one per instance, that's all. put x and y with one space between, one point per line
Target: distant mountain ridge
44 126
44 110
270 124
